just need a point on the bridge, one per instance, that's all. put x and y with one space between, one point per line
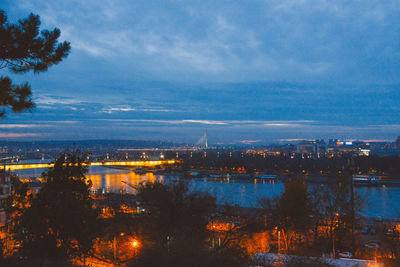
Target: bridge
203 141
142 163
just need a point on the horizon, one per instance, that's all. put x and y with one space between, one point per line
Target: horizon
243 143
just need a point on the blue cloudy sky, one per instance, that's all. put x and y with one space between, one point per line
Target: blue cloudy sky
242 70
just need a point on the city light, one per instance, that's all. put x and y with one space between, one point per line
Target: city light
146 163
135 243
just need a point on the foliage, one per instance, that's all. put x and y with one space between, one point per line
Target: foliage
180 218
173 210
291 213
189 252
294 207
18 201
119 222
22 49
20 262
333 208
59 220
392 242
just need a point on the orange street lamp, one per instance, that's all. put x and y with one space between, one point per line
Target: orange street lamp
135 244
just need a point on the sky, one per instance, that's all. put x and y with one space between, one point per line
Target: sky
244 71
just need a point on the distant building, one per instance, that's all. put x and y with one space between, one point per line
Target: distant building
311 147
321 147
306 147
339 147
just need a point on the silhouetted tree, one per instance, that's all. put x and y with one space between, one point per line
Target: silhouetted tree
180 218
189 252
333 208
173 210
291 212
392 242
59 221
23 48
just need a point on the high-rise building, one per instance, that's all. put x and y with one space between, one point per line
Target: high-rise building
306 147
321 147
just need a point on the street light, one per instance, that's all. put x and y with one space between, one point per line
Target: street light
279 242
135 244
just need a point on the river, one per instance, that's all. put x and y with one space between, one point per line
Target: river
381 201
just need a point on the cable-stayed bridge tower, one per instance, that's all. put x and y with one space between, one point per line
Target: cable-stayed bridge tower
203 141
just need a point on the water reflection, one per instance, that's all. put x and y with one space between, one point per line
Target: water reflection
382 200
123 182
105 179
237 192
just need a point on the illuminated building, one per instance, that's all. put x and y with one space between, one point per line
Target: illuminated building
311 147
307 147
340 147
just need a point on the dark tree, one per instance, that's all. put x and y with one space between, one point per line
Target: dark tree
183 253
392 241
333 209
291 212
24 48
59 220
180 218
173 210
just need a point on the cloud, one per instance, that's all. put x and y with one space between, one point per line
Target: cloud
284 39
386 126
245 123
295 140
173 67
117 109
90 48
205 122
126 108
177 122
18 135
11 126
283 124
44 100
57 122
247 142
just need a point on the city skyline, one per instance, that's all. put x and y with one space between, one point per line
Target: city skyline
171 70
